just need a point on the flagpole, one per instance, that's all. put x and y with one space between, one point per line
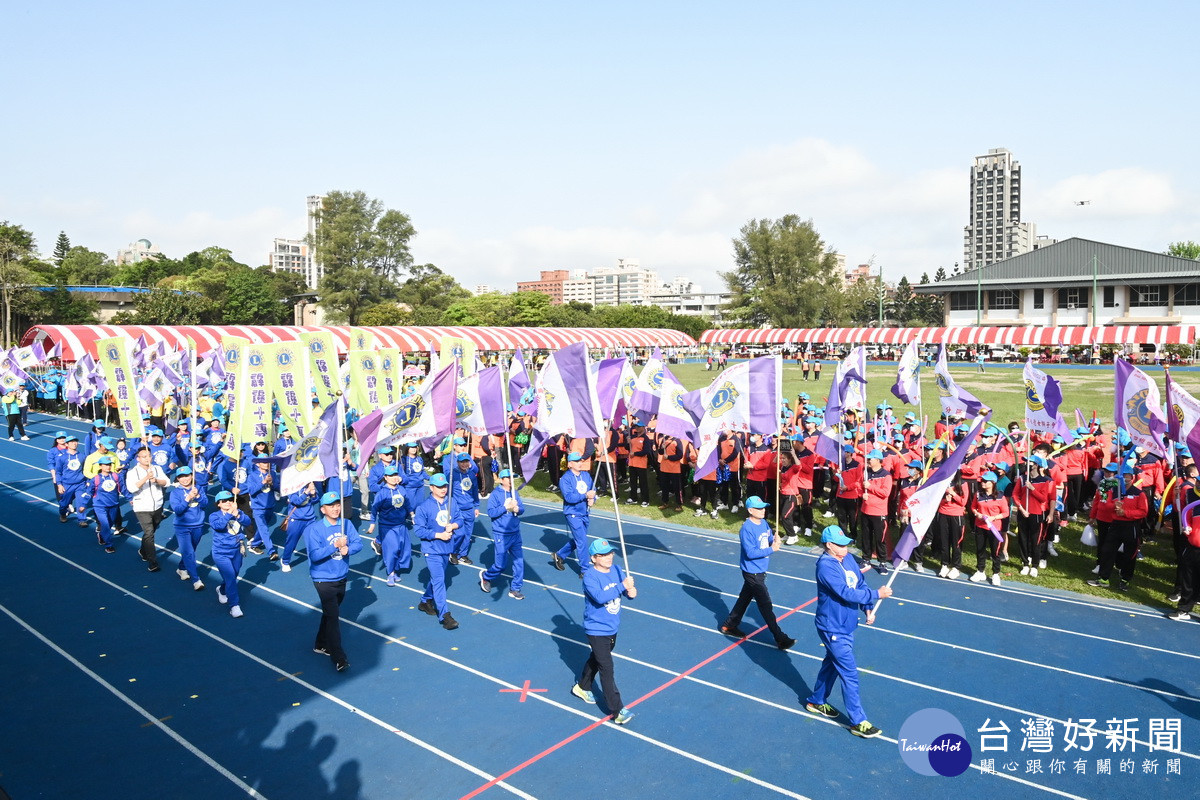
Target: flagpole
341 441
612 487
778 438
192 414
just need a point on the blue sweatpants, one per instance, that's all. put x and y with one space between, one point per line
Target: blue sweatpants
578 543
397 548
71 496
295 530
106 518
188 537
263 520
229 567
460 542
435 589
508 545
839 663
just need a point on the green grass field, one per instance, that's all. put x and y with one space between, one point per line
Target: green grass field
1002 389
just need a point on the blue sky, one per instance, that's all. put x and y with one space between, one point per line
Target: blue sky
529 136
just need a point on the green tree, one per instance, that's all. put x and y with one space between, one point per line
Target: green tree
363 248
249 300
149 271
924 278
427 293
84 267
16 272
1188 249
782 275
162 306
61 247
902 301
60 306
386 314
940 275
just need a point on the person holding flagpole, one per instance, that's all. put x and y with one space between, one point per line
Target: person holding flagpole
990 509
435 523
330 540
504 510
758 541
578 495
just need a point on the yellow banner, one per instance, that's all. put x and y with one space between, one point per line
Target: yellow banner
362 339
364 380
233 357
115 359
391 374
461 349
289 384
322 365
254 412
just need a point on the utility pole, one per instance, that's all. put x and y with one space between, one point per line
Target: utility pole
978 295
881 296
1095 282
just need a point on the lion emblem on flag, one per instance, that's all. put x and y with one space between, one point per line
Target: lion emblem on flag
1137 412
1032 401
724 399
407 414
463 405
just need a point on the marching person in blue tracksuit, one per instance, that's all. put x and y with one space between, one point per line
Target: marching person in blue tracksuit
330 540
412 475
68 477
162 453
603 586
228 548
60 445
840 594
391 514
188 503
302 509
106 502
578 495
504 510
435 524
201 473
758 542
94 435
464 483
260 485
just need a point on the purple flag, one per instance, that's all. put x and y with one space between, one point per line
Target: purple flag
647 392
314 458
520 388
1136 407
533 455
1183 416
829 438
426 413
923 505
566 395
608 385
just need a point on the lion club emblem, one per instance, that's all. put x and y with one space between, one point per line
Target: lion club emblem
407 414
463 405
1137 412
656 379
1032 401
306 453
113 353
315 347
724 399
1177 410
548 401
943 385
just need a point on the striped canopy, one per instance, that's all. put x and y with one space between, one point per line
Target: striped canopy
969 335
79 339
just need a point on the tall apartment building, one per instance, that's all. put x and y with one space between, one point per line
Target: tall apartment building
625 284
550 283
995 231
296 255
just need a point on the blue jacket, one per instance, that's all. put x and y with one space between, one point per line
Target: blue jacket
52 456
227 532
757 537
162 455
464 488
412 472
841 592
325 563
68 468
188 514
106 490
431 518
574 500
303 507
503 520
262 497
391 507
375 474
602 601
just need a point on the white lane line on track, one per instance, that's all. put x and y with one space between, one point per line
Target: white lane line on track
282 673
127 700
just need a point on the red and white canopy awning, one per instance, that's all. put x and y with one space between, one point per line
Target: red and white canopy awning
967 335
79 339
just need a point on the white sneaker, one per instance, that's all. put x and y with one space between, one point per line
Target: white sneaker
221 598
995 579
1055 539
978 577
645 503
792 540
11 439
286 567
235 612
699 512
828 515
182 573
1033 572
1025 570
1041 564
808 531
1050 549
1072 518
917 566
714 514
954 573
944 571
796 529
735 507
24 438
198 585
721 507
1096 570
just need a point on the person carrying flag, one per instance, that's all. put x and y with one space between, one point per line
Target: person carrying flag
391 513
578 495
603 586
840 595
758 542
990 509
504 510
188 503
435 523
464 489
330 540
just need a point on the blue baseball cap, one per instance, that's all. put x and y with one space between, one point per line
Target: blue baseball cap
990 476
104 460
1081 431
962 429
183 471
1002 466
459 440
916 464
197 444
106 442
1038 460
1059 440
60 435
505 473
848 435
1111 467
386 450
574 457
329 498
221 496
390 470
438 480
98 423
910 416
754 501
847 448
875 454
72 437
410 444
463 457
835 535
599 547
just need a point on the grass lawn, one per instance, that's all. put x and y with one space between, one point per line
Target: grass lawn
1002 389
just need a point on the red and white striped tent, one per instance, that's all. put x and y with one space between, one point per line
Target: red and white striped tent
966 335
79 339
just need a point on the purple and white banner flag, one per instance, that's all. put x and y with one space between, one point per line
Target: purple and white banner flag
1136 407
1043 396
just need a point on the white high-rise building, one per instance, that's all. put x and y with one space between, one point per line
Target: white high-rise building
995 231
297 255
625 284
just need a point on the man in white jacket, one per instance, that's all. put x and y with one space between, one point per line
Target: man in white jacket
145 482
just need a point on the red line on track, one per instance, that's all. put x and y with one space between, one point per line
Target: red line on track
534 759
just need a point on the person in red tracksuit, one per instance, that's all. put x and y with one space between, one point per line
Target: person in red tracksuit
948 527
990 510
877 490
761 467
798 483
908 485
1121 546
849 478
1034 496
1102 510
1074 460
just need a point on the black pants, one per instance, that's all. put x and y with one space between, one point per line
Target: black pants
706 492
1074 494
149 521
874 529
1029 533
731 490
603 485
329 634
1123 537
1189 578
601 661
639 485
487 478
14 421
670 488
758 488
986 546
818 490
949 532
554 467
754 587
847 516
1103 529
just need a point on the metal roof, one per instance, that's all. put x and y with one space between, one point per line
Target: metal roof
1070 263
